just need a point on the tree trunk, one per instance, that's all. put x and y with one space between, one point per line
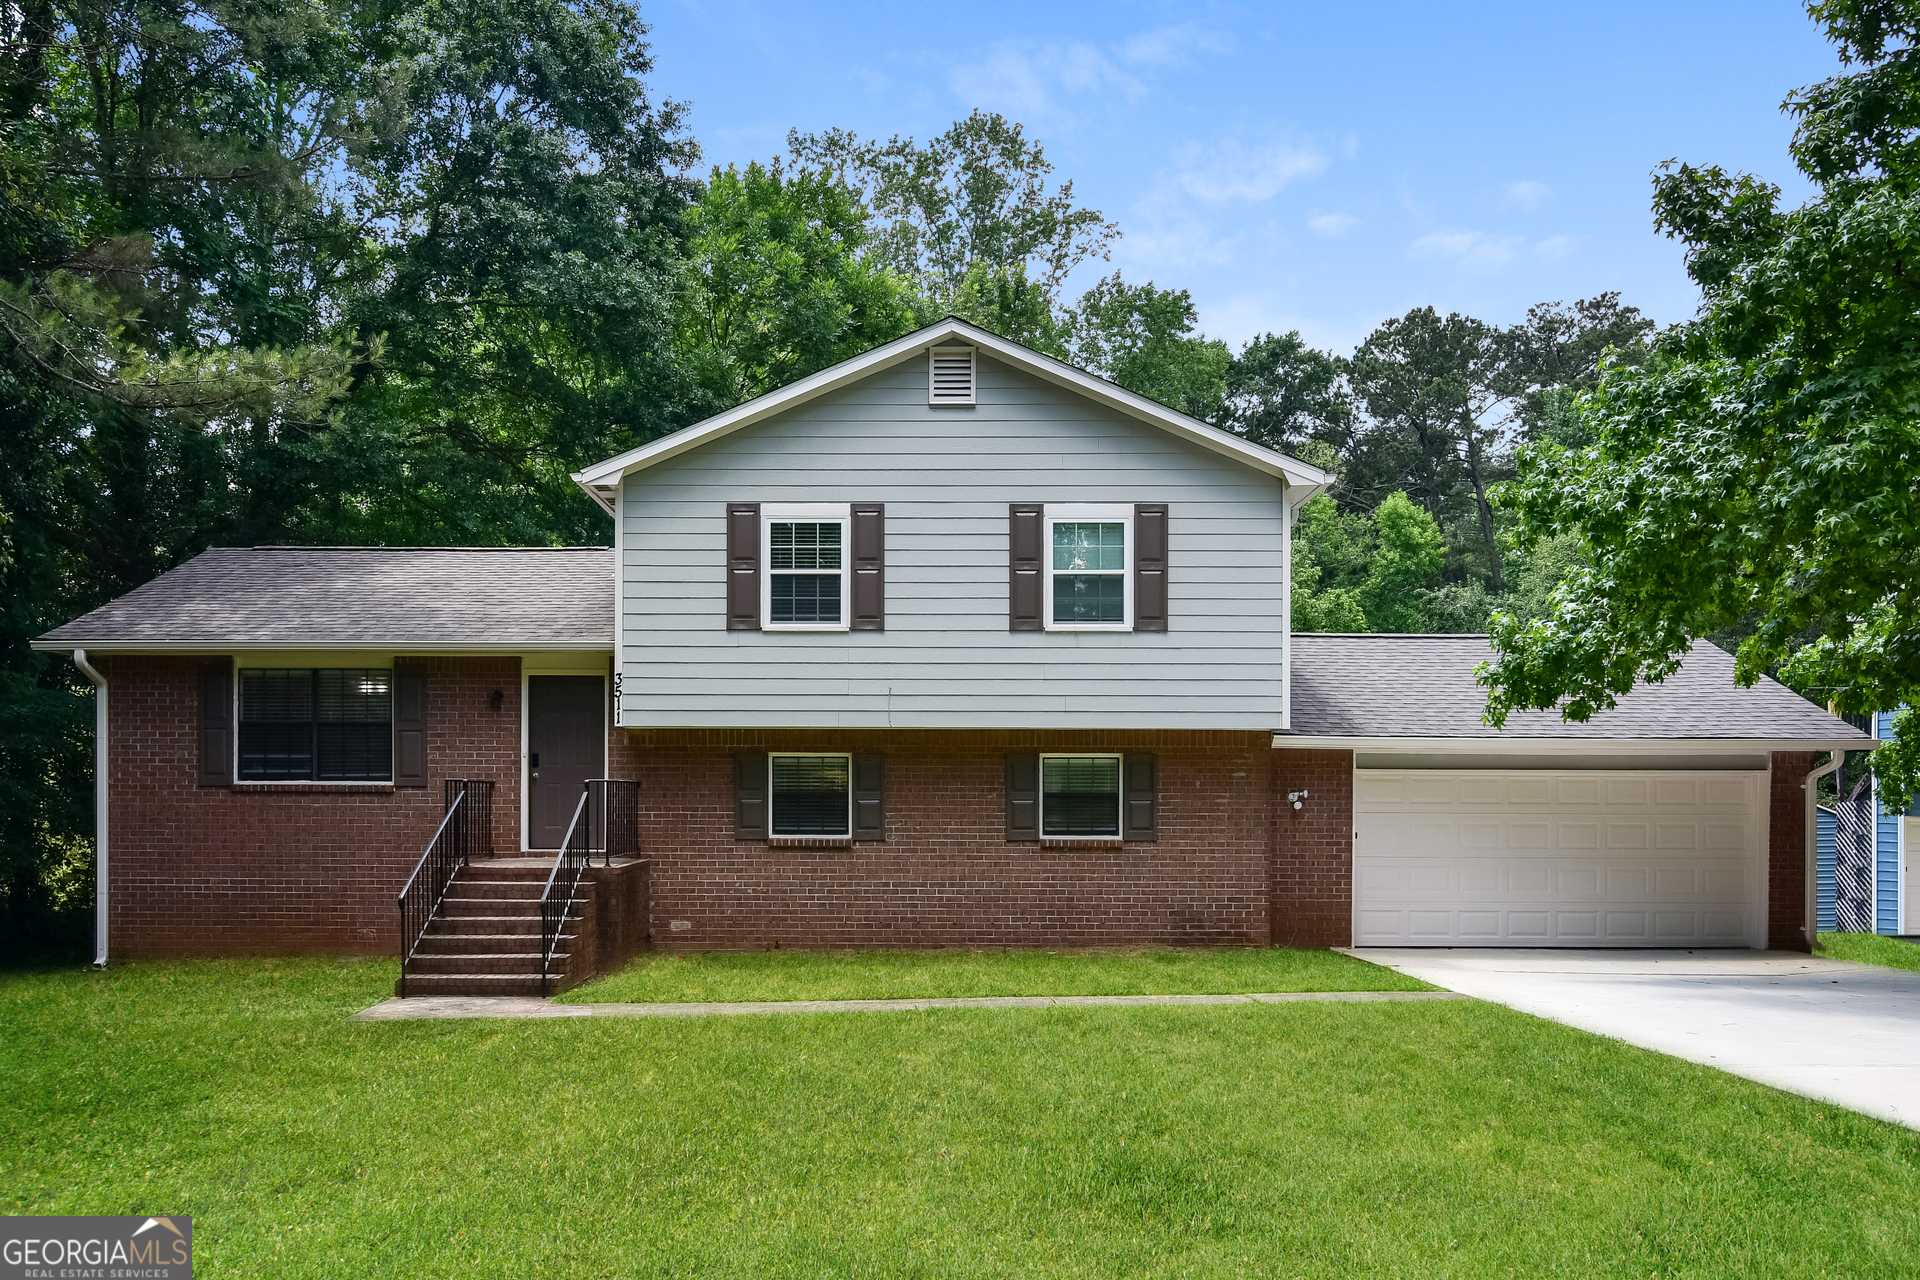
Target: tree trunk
1486 509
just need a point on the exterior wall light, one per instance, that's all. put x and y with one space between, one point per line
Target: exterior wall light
1295 797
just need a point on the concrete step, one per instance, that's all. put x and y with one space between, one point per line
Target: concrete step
469 926
498 963
477 943
475 984
526 890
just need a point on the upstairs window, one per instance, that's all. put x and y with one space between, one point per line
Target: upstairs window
316 725
1089 568
812 794
806 559
1080 796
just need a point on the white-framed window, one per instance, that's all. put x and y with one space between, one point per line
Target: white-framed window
1080 796
804 546
1089 554
810 794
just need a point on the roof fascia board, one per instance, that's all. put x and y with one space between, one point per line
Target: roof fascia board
345 646
1569 746
1294 473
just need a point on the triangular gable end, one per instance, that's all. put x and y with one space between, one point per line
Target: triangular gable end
601 481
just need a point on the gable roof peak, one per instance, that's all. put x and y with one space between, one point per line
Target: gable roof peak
601 481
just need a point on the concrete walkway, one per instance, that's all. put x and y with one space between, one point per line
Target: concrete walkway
1843 1033
416 1007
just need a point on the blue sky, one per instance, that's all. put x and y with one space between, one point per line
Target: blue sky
1318 167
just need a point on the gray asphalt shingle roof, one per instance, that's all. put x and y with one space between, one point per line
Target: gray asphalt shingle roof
404 596
1389 686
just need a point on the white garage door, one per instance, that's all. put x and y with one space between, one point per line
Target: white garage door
1546 859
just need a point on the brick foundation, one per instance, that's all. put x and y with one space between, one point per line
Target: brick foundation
266 869
946 876
1787 852
1313 849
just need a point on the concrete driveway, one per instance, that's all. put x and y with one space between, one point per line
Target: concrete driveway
1843 1033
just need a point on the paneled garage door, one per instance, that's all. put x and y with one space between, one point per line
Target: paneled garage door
1547 859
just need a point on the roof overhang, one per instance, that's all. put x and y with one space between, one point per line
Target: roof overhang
602 480
1570 746
313 643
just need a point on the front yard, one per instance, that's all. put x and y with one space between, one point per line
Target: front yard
988 971
1432 1139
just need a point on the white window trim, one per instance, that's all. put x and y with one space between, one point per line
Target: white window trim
810 755
813 513
1074 513
1120 797
393 724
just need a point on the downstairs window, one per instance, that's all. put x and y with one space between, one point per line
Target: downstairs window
316 725
1080 796
812 794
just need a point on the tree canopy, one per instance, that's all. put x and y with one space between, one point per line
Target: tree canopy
1755 472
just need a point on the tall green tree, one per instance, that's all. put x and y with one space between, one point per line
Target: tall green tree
1760 462
1147 340
775 284
1433 386
972 216
1282 393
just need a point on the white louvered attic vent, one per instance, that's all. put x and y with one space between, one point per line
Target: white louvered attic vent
950 376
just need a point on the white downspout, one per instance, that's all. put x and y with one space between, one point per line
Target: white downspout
1811 925
99 806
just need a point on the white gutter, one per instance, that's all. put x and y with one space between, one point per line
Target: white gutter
1491 745
1811 925
99 806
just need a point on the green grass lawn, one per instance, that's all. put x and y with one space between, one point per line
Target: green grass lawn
1450 1139
1870 948
903 975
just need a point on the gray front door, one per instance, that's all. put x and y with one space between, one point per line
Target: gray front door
566 742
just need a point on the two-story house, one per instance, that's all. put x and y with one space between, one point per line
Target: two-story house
949 644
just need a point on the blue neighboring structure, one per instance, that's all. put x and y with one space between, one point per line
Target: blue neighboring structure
1837 872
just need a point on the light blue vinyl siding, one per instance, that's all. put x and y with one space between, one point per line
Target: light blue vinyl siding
1886 850
946 658
1826 905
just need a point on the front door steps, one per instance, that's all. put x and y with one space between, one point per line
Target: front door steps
485 938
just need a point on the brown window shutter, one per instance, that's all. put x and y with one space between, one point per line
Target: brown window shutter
869 566
1023 798
869 797
743 566
1026 529
216 724
1139 785
750 795
1150 566
409 724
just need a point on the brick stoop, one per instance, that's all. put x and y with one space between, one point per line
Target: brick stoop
485 939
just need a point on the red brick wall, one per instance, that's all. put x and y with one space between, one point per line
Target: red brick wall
1313 849
946 876
1787 852
209 870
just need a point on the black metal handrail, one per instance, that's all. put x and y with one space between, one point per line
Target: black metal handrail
556 901
613 818
465 831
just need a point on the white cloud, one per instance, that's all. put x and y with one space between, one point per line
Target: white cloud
1469 248
1026 80
1171 46
1186 219
1526 196
1332 225
1480 249
1230 170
